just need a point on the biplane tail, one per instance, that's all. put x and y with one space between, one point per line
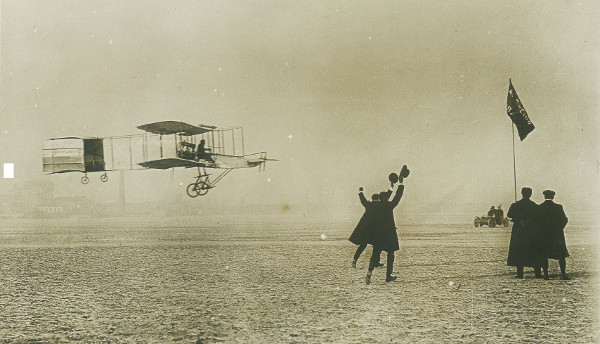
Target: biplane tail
264 159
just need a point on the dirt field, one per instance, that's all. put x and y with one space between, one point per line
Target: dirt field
274 279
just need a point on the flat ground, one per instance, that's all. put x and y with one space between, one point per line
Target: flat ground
273 279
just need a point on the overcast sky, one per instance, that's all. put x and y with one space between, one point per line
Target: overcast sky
342 92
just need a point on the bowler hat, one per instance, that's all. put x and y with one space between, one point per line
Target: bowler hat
383 196
549 194
526 192
405 172
393 177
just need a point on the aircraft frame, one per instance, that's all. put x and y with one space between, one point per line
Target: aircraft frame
162 145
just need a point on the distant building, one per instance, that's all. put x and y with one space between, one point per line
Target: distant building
35 199
74 205
11 207
46 211
37 192
13 202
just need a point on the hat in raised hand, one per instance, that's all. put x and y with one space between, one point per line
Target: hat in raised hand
404 172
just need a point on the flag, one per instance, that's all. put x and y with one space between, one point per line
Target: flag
517 113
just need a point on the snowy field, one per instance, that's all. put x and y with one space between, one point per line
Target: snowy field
274 279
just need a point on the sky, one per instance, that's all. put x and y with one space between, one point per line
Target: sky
341 92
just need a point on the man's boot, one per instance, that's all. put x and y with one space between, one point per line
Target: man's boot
389 268
563 267
519 272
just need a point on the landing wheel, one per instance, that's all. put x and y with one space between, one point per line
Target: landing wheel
476 223
204 187
193 190
85 179
198 189
104 178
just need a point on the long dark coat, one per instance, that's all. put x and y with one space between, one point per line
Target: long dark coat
552 221
365 225
384 232
524 249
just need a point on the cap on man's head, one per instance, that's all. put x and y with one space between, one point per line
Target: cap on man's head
526 191
549 194
375 197
383 196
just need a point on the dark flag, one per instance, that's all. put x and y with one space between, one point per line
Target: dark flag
517 113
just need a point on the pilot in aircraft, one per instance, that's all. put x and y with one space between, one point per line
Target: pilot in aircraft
202 152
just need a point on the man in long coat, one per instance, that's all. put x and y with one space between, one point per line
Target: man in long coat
363 229
552 221
522 250
384 236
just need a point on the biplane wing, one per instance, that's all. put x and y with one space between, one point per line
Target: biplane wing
175 127
219 161
166 163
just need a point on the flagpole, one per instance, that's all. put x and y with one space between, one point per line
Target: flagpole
514 161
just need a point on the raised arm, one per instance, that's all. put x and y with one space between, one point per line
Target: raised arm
363 199
397 196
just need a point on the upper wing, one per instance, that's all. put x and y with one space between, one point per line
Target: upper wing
175 127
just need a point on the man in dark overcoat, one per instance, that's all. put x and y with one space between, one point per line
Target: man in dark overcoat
363 229
552 222
384 236
522 250
499 215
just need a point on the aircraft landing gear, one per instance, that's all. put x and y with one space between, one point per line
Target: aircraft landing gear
201 186
198 189
85 179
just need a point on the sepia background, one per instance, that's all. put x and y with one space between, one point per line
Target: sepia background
341 92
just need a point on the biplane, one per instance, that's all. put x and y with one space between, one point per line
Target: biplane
162 145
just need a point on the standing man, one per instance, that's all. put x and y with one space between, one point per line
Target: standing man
521 250
364 228
500 215
552 221
385 237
